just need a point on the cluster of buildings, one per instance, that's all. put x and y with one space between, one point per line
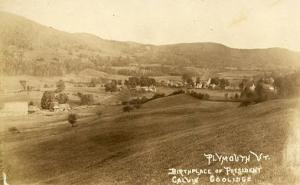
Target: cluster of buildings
17 108
57 107
171 83
202 84
151 88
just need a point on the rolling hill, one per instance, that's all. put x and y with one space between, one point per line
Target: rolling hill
214 55
30 48
139 147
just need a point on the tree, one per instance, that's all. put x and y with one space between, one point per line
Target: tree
226 96
60 86
186 77
198 80
133 81
215 81
111 87
287 86
223 83
86 99
72 119
158 95
119 82
47 99
23 84
127 108
62 98
146 81
259 90
190 81
93 82
236 96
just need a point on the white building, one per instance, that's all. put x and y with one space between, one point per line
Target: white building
14 109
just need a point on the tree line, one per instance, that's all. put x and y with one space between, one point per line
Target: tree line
273 86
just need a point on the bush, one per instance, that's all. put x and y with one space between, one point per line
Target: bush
127 108
206 96
177 92
47 99
99 113
245 103
31 103
79 94
72 118
60 86
137 101
236 96
62 98
158 95
199 95
13 130
134 101
124 102
93 82
86 99
137 106
111 87
23 84
144 99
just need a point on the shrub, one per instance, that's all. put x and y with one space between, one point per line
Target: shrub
144 99
79 94
180 91
206 96
245 103
72 118
99 113
111 87
62 98
13 130
47 99
31 103
236 96
137 106
158 95
137 101
86 99
199 95
226 96
124 102
127 108
23 84
93 82
134 101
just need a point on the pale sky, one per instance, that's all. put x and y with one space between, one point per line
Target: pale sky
236 23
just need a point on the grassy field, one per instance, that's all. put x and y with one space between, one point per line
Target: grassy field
139 147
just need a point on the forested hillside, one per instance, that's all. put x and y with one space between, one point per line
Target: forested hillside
33 49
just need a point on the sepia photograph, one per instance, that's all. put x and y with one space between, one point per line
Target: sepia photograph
149 92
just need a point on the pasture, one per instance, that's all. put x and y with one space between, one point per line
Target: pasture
140 146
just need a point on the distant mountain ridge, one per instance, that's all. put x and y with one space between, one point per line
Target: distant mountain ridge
30 48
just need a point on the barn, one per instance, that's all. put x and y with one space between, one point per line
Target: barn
14 109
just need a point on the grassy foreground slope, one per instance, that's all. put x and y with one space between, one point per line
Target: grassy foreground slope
139 147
